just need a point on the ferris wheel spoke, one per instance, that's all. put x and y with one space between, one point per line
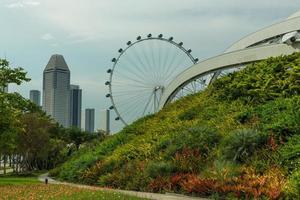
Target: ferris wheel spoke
159 65
124 100
130 110
177 66
147 104
137 67
134 111
171 62
132 101
150 65
131 107
159 61
141 72
130 92
129 83
138 76
131 96
165 60
132 79
141 110
126 84
148 74
141 62
153 60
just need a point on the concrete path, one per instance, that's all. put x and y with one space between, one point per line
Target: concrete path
147 195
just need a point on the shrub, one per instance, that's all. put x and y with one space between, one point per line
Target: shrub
194 184
290 153
222 171
263 159
262 81
160 184
244 117
160 168
201 138
241 144
252 185
189 160
74 170
280 117
292 188
189 114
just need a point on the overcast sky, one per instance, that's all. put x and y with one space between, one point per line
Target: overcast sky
89 32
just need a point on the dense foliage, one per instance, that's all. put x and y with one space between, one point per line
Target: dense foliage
238 139
29 139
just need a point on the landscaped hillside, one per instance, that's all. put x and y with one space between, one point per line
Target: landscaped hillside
238 138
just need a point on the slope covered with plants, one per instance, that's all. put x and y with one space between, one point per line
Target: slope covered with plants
239 138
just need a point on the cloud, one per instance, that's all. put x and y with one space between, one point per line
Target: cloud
89 32
15 5
47 36
32 3
23 4
124 19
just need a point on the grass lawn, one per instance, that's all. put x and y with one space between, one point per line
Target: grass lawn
30 188
5 181
57 192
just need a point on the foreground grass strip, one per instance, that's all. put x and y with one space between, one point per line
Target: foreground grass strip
5 181
57 192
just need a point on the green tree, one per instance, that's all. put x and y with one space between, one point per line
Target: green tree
9 108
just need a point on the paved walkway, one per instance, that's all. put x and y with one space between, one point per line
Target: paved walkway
147 195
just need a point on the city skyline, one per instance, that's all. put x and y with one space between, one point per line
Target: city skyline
89 49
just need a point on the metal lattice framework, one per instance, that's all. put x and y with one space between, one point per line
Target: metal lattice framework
282 38
141 72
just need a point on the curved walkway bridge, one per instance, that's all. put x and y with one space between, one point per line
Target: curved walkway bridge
282 38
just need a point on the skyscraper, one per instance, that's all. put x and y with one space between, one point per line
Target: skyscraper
89 120
75 106
35 97
56 90
105 120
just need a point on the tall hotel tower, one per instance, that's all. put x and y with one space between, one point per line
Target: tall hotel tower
75 106
56 90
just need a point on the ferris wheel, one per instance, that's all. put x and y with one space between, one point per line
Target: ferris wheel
140 73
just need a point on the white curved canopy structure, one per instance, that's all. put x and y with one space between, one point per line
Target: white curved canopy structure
257 46
296 14
267 34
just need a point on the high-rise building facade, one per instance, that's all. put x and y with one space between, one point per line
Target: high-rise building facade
105 120
90 120
75 106
35 97
56 90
